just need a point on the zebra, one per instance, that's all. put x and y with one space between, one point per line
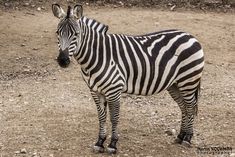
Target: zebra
112 64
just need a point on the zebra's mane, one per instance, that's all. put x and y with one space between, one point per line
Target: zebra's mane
102 28
68 12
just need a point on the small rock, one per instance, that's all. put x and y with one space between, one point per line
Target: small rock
11 100
51 155
26 70
6 4
26 4
202 118
232 155
121 3
125 155
39 9
209 62
43 8
169 4
53 78
172 8
17 152
33 5
35 48
26 102
23 151
171 132
22 45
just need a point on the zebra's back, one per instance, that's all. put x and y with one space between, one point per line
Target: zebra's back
151 63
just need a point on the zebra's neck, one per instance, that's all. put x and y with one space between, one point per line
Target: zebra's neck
90 30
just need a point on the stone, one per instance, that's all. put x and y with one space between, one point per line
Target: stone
172 8
23 151
6 4
35 48
26 4
17 152
171 132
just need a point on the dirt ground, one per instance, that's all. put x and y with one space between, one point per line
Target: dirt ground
47 111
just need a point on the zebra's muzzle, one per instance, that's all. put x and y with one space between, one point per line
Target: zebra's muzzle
63 58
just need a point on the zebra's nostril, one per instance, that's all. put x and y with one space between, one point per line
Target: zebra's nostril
63 62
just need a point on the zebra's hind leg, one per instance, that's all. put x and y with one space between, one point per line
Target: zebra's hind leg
175 94
190 93
101 105
187 98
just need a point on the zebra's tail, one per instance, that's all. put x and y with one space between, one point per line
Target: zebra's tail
197 94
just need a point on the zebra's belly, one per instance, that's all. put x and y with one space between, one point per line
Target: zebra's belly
140 90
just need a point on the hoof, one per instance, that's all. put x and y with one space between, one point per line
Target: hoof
98 149
111 150
177 141
186 144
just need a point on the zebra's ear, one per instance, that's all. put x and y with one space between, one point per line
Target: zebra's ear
78 11
58 11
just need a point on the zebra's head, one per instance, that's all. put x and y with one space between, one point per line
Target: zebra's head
68 32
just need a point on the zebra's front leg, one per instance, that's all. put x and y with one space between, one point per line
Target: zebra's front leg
114 108
101 105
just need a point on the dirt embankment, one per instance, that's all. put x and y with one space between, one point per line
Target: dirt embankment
172 5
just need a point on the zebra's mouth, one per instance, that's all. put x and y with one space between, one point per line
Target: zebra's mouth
63 58
64 63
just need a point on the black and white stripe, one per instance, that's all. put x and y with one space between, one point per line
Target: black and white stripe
112 64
